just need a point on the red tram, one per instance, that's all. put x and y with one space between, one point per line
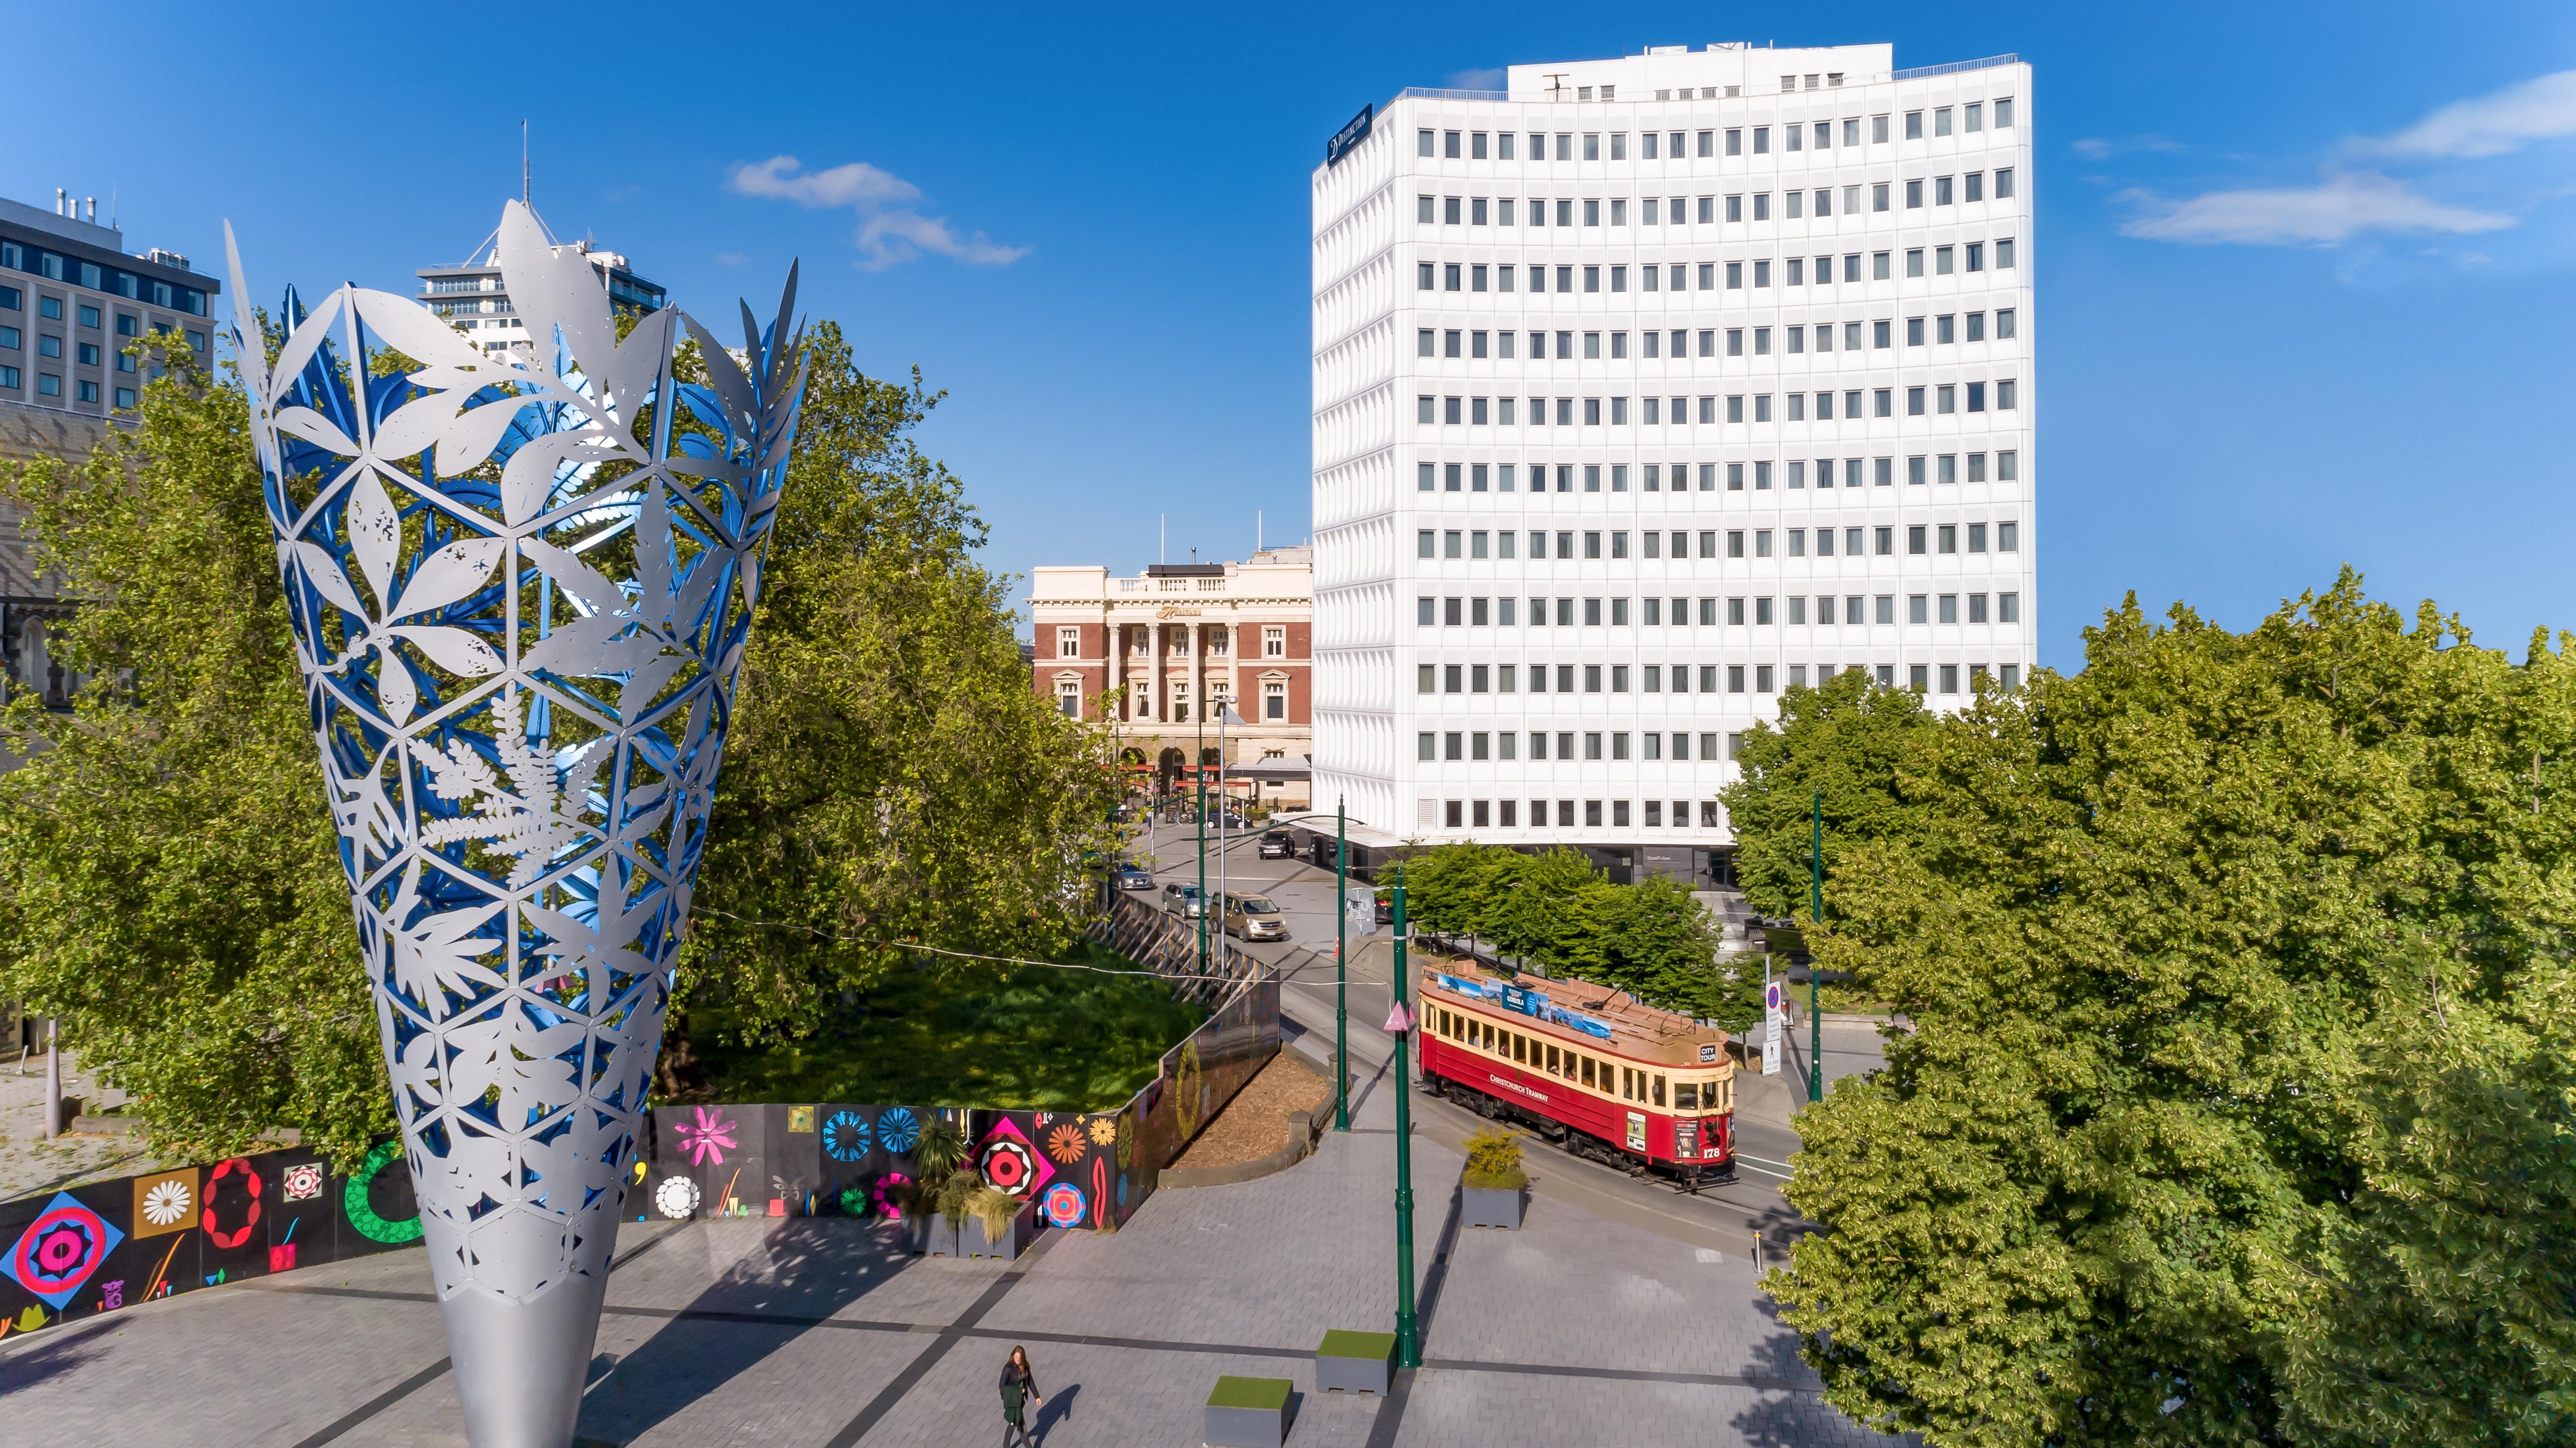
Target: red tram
1589 1066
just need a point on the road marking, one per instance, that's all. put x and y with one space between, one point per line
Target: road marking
1766 1161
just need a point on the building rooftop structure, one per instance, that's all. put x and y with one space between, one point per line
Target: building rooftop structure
472 296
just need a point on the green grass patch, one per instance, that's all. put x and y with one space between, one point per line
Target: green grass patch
1341 1342
1036 1039
1267 1394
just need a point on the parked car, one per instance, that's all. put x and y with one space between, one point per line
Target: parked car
1133 876
1184 901
1276 845
1254 918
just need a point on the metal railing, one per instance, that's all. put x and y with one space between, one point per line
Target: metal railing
1955 67
1167 944
1920 72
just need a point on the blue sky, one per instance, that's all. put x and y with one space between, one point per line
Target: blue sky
2304 270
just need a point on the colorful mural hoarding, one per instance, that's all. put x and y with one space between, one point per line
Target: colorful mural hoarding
80 1251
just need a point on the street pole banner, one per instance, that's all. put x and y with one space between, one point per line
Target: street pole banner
1770 1028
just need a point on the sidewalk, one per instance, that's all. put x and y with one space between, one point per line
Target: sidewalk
1576 1329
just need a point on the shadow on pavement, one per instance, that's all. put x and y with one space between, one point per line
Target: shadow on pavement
807 1269
1058 1408
61 1351
1790 1419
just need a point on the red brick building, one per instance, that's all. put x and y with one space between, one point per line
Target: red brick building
1175 645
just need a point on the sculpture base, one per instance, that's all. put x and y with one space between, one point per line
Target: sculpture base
520 1366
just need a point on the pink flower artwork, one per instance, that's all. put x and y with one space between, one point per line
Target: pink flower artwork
706 1139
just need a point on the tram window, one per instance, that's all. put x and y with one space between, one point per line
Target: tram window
1551 1060
1488 1029
1685 1096
1659 1091
1520 1047
1587 1070
1625 1094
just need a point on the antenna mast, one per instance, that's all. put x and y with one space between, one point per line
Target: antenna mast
523 161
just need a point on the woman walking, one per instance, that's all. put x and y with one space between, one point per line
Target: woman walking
1019 1392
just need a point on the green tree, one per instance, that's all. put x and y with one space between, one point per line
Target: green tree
169 877
1846 740
893 779
2234 966
1556 911
170 885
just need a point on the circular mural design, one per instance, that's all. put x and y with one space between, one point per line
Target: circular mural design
898 1128
1062 1205
250 1184
889 1194
676 1198
59 1250
846 1136
1009 1166
362 1215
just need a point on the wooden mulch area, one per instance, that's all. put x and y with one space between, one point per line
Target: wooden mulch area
1255 1123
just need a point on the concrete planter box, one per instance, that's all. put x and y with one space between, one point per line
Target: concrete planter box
1491 1207
1248 1413
973 1241
930 1234
1355 1362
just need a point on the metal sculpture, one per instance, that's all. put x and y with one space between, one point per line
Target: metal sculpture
521 583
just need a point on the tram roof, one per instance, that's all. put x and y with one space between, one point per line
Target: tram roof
1637 1030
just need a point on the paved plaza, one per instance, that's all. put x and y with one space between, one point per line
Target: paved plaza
1577 1330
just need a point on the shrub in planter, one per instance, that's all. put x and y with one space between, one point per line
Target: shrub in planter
1491 1187
996 1224
926 1232
948 1210
940 1151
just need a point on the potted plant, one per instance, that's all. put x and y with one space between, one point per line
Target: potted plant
946 1210
925 1232
996 1224
1491 1189
935 1159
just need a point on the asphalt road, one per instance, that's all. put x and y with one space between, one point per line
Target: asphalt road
1720 1216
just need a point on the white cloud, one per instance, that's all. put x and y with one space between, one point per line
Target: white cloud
1490 78
2490 125
857 183
2103 148
2320 215
889 233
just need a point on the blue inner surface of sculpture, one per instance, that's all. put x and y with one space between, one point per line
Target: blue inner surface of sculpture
522 581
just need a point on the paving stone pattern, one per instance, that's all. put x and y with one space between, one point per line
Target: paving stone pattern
824 1334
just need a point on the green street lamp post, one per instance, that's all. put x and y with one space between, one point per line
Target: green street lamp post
1341 966
1198 779
1816 915
1408 1343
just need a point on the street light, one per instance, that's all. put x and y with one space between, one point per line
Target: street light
1816 913
1222 720
1341 966
1399 1023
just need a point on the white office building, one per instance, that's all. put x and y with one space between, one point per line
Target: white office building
1649 389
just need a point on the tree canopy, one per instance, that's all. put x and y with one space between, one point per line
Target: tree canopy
170 885
893 779
2237 1102
1557 911
169 878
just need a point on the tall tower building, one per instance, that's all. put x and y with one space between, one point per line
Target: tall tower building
1646 390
